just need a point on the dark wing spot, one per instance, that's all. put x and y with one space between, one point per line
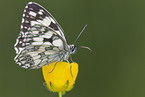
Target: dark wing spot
36 48
48 48
19 45
47 40
53 26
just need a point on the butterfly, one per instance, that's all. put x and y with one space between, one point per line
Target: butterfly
41 40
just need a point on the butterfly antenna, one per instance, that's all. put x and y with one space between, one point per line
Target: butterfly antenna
80 34
85 47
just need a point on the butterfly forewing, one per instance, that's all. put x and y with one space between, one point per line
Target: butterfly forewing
41 40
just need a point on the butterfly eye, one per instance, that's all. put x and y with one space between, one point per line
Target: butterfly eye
73 49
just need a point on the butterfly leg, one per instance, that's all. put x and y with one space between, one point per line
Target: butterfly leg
56 62
70 67
53 67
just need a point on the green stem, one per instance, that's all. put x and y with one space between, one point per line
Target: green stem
60 93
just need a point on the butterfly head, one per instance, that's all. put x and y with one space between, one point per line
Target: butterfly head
73 49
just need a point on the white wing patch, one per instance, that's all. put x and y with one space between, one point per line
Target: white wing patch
32 13
46 22
38 39
35 32
37 43
47 43
35 23
58 43
47 34
40 12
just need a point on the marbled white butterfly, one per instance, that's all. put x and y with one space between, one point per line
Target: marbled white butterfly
41 40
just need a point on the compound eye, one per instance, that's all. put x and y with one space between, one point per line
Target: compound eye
72 49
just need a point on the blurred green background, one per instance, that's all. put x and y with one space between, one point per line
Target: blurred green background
115 33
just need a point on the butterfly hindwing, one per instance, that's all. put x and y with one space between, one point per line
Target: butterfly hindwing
37 56
41 40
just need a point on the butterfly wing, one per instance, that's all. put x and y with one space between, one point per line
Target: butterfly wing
41 40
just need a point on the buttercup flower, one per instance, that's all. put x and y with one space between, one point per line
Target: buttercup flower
62 78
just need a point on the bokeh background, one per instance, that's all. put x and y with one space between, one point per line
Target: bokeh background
115 33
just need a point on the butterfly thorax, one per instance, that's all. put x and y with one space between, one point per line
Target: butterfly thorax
71 50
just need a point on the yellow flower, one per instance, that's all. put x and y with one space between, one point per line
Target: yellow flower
61 79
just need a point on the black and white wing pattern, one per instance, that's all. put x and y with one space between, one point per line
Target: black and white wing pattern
41 40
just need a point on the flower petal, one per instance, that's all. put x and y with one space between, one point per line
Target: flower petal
61 78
